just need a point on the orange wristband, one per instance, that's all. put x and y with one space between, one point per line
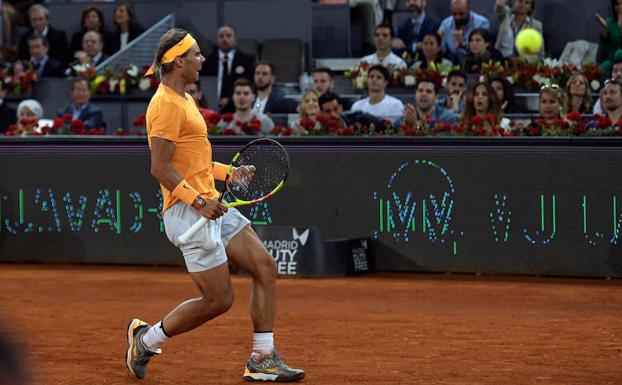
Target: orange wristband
185 192
220 170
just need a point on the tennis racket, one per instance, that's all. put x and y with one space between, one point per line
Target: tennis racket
271 167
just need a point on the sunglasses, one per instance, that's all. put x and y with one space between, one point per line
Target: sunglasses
549 86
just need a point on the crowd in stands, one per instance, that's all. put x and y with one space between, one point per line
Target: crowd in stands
453 93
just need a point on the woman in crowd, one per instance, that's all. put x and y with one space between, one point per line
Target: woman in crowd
553 103
92 20
127 27
484 104
308 110
29 112
479 52
578 94
512 22
505 94
430 52
610 33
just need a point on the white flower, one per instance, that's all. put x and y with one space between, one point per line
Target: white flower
144 84
541 79
595 84
360 82
132 71
80 67
409 80
112 83
509 79
552 62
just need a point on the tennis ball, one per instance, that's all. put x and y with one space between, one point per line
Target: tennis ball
528 41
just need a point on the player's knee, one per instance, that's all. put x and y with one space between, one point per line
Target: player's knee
266 269
217 305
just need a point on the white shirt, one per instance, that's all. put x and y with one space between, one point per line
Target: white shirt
388 108
259 105
221 57
124 37
391 60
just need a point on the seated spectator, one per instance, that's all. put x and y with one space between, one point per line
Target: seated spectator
45 67
479 52
456 29
553 103
616 73
8 115
245 120
39 18
483 102
323 80
332 105
308 110
268 101
455 87
92 20
194 90
12 18
426 112
612 101
505 94
383 55
512 22
411 34
127 27
430 56
378 103
29 112
610 39
92 50
80 107
578 94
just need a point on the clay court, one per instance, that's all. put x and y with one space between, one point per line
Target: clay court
381 329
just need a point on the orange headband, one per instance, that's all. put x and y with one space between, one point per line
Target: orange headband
177 50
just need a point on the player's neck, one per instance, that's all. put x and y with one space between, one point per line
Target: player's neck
177 83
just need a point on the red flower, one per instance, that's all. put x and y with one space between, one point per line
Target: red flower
228 117
58 123
307 123
255 125
67 117
138 122
230 131
238 123
476 120
490 118
214 118
77 127
574 116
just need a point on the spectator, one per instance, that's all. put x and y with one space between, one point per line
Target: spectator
553 104
505 94
228 64
430 56
411 34
39 18
612 101
331 105
267 100
243 96
45 67
512 22
308 110
323 80
483 102
194 90
455 86
92 20
610 39
578 94
383 54
378 103
29 109
92 50
455 29
479 52
616 73
426 112
81 108
8 115
127 27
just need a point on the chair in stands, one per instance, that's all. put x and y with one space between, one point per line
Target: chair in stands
287 56
249 46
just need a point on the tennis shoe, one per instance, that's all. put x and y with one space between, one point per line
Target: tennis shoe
271 368
138 355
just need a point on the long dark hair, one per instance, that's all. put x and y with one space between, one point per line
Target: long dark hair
99 13
494 105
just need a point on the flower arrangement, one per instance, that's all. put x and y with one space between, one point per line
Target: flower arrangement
358 75
60 126
480 126
114 81
18 77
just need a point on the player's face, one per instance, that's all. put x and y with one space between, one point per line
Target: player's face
376 82
226 39
193 61
310 105
243 97
425 96
550 107
263 77
481 101
38 20
322 82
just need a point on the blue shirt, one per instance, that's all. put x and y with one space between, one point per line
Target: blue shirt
439 114
448 45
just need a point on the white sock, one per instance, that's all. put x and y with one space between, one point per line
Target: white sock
263 342
155 336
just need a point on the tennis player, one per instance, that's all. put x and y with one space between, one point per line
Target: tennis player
181 160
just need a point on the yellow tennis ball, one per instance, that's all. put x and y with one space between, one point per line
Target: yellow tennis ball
528 41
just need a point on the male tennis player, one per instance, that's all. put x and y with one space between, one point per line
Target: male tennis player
181 160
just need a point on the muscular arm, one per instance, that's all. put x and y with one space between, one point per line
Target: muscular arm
162 168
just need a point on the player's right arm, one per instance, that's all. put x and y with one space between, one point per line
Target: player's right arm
162 169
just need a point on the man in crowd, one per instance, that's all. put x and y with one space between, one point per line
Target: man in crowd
616 73
92 49
267 100
331 104
228 64
46 67
323 80
410 34
39 18
81 108
612 101
378 103
425 113
456 87
243 97
455 29
383 54
8 115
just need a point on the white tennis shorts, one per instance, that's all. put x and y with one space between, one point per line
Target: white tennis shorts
179 217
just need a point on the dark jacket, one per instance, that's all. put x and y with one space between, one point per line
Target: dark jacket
243 66
92 116
407 34
115 39
51 69
57 40
76 42
8 116
277 104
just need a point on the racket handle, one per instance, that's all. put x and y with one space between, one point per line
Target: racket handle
192 230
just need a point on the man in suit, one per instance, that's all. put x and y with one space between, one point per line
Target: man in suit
267 100
8 115
45 67
228 65
92 49
411 33
80 107
38 16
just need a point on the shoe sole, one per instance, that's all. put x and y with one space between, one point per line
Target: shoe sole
130 343
263 377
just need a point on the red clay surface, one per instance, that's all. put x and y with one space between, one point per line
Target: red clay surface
383 329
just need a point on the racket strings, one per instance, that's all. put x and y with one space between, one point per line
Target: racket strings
271 167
